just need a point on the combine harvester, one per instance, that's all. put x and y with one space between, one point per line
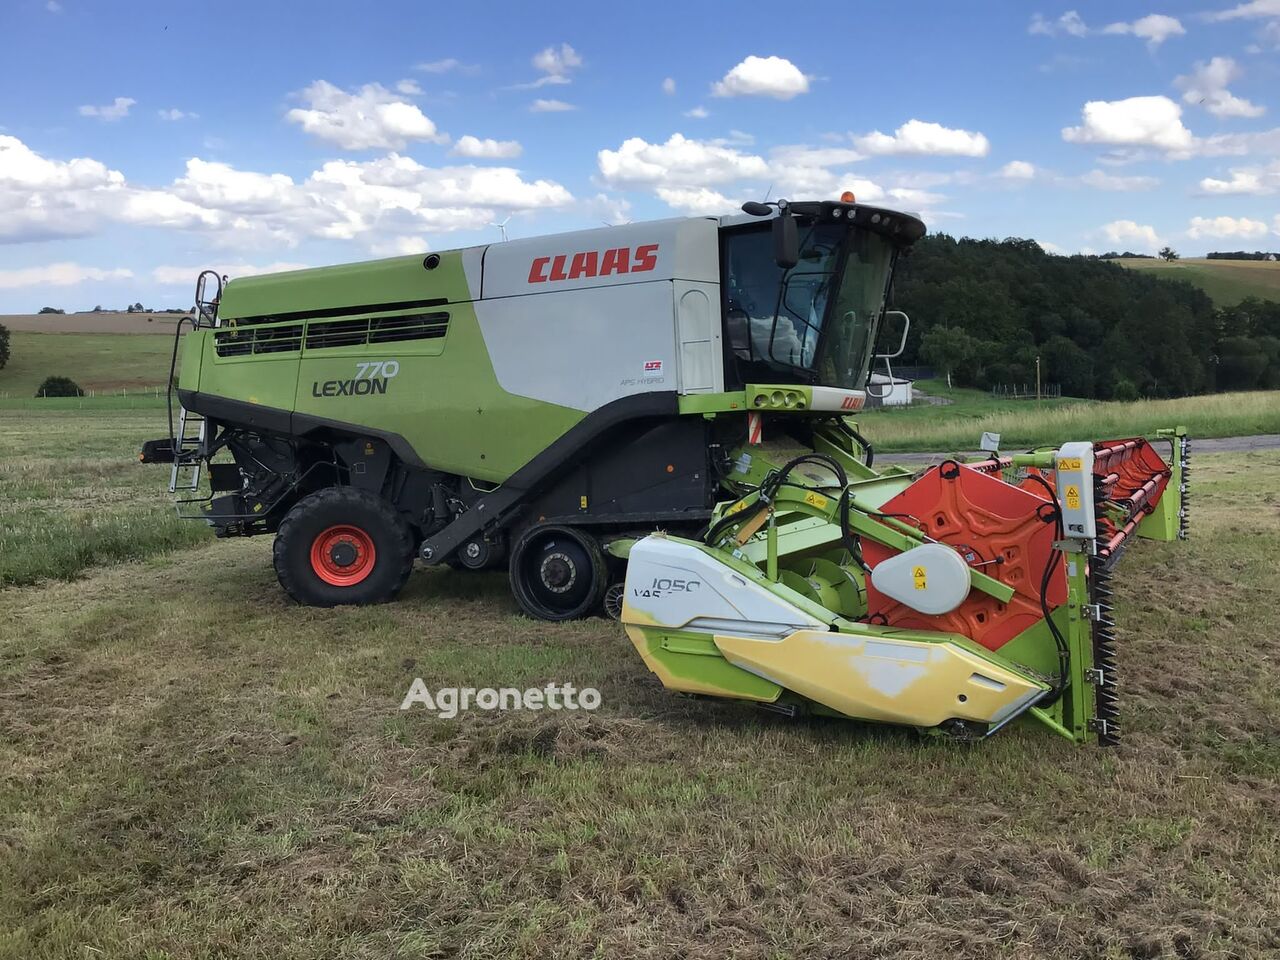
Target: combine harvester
549 404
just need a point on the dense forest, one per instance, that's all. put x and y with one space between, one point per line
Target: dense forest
983 310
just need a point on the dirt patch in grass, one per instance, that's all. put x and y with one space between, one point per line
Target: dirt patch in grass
190 766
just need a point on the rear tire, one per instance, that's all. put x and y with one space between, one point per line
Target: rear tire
340 546
558 573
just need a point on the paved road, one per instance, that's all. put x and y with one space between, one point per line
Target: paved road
1262 441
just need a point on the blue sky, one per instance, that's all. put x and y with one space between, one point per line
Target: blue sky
140 142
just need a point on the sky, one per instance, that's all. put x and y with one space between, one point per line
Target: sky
141 142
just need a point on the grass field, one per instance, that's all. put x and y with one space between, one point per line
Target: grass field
192 767
1227 282
102 362
1026 423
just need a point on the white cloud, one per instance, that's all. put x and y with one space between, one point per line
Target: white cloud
1018 170
1248 181
53 6
550 106
921 137
374 201
555 64
698 113
486 149
117 109
59 275
609 209
369 118
1207 85
1135 122
1133 235
1155 28
1223 228
1264 142
175 276
802 172
910 197
557 61
1101 180
669 86
1249 11
409 87
174 114
447 65
680 162
696 201
1069 23
762 77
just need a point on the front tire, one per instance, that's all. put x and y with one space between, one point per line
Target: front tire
558 573
342 546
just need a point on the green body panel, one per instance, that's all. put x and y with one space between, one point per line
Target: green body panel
694 658
395 280
444 398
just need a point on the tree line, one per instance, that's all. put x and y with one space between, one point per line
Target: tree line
983 310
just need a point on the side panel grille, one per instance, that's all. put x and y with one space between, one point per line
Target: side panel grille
254 341
353 333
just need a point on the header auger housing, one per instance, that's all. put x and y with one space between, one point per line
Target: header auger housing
547 404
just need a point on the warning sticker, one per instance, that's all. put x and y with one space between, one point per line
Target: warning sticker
816 500
1073 497
1069 463
920 576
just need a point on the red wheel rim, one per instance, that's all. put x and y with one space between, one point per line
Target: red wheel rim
343 556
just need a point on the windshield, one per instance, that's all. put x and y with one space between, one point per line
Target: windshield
816 319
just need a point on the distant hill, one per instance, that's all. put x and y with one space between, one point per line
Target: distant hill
1226 281
108 321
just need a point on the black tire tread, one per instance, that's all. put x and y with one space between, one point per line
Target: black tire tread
346 497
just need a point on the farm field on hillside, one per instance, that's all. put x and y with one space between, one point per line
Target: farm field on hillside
105 322
103 362
1227 282
190 765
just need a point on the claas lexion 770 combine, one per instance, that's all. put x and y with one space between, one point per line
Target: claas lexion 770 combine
654 419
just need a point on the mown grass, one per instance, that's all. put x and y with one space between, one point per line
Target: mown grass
72 493
1025 423
190 766
1227 282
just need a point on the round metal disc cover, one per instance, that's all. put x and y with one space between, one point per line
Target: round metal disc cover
931 578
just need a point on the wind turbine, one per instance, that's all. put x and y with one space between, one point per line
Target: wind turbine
502 226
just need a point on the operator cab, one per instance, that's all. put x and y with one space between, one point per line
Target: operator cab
803 302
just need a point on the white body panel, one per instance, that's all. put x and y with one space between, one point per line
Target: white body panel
582 319
687 249
675 584
583 348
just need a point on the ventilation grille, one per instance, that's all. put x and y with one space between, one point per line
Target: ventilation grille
241 342
354 333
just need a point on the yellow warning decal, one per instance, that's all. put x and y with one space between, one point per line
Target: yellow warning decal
582 503
816 500
920 576
1070 463
736 508
1073 497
